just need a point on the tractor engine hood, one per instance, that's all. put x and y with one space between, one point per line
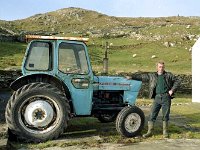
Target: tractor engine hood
117 83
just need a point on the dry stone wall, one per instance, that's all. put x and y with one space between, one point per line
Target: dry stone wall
7 76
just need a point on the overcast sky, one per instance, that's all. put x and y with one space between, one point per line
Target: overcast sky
18 9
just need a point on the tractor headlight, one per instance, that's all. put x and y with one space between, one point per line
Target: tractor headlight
80 83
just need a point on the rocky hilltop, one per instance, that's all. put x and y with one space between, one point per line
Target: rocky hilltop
82 22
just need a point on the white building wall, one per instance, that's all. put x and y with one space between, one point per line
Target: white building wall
196 72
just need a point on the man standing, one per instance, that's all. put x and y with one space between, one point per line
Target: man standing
162 86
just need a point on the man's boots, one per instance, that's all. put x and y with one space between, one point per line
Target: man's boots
165 129
150 129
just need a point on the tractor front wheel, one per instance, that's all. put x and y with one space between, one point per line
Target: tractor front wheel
130 121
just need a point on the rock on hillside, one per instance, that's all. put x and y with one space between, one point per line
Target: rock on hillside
7 34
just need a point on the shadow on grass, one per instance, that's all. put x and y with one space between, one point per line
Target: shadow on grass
180 126
84 127
192 122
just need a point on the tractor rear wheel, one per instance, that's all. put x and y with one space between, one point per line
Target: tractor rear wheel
130 121
37 112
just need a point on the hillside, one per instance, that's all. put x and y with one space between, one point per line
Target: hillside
85 22
133 41
69 20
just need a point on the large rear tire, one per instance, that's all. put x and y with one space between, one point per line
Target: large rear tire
130 121
37 112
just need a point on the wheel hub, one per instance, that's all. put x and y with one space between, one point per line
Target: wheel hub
39 113
132 122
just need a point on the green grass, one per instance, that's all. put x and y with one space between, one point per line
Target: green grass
192 114
180 99
11 54
143 61
178 59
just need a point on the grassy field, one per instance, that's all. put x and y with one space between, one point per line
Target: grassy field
87 132
11 54
178 60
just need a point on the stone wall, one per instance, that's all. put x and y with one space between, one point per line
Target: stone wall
21 37
185 86
6 77
7 38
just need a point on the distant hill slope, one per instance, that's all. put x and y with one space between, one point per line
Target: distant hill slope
83 22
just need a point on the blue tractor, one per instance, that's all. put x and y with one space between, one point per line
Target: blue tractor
58 84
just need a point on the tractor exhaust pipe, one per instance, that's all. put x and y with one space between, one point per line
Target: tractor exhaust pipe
105 60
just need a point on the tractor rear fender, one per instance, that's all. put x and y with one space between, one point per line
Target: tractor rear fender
46 78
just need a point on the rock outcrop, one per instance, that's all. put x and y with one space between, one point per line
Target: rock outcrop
8 76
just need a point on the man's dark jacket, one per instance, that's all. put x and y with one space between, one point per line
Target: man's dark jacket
171 81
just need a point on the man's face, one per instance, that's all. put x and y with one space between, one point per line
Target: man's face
160 68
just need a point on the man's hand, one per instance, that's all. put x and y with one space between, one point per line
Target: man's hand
170 92
128 77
